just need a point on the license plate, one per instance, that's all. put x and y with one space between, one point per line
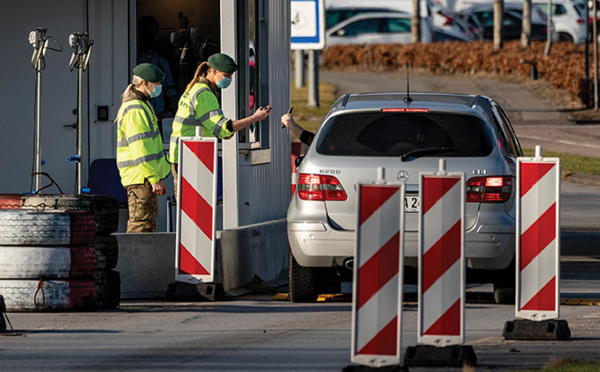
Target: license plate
411 203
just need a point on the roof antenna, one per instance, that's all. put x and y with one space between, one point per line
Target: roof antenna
408 99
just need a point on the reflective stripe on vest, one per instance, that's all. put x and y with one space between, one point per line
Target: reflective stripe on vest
140 160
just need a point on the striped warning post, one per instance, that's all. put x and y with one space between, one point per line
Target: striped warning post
538 238
377 301
441 259
196 210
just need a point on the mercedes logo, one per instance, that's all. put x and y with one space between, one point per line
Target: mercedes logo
402 176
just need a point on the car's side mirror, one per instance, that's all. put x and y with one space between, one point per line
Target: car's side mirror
298 161
340 32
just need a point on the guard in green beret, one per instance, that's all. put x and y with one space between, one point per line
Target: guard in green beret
141 159
199 107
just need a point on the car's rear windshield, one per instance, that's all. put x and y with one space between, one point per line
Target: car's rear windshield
395 134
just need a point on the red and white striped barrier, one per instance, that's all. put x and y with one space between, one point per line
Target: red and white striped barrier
441 258
378 275
538 238
196 210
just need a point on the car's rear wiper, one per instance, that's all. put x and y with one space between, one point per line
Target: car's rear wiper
426 151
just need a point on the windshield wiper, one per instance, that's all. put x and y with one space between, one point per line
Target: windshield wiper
426 151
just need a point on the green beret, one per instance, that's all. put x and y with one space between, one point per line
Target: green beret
149 72
223 63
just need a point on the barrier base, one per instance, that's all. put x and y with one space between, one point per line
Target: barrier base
432 356
525 329
360 368
195 292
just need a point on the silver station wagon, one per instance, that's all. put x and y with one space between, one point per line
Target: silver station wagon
405 135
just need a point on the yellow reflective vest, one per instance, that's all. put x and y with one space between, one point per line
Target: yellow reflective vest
198 107
140 153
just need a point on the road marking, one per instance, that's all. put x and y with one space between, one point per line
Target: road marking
561 141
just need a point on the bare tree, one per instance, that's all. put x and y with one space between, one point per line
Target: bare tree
526 27
415 23
498 17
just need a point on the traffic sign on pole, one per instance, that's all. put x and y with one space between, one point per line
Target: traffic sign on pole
196 210
308 24
378 275
538 238
441 259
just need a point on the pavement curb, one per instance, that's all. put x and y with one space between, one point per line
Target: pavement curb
583 179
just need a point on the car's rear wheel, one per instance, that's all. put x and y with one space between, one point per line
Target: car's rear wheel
504 294
301 282
563 36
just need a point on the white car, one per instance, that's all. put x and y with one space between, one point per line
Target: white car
377 28
569 22
444 25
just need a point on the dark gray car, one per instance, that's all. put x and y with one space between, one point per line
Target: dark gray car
404 135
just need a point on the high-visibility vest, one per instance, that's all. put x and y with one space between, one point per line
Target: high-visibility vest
140 153
198 107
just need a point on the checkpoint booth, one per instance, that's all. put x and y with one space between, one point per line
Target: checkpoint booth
244 225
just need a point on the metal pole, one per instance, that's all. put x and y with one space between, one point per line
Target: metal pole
299 71
38 127
587 52
549 30
595 40
79 127
313 78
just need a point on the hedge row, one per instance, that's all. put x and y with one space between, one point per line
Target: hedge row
564 67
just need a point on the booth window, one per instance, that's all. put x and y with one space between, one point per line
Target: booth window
253 83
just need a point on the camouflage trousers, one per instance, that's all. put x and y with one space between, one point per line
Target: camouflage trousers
174 173
143 207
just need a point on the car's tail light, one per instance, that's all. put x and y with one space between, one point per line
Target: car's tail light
580 21
320 187
489 189
448 20
399 109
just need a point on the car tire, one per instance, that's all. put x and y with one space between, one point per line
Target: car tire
563 36
504 295
19 262
44 295
104 208
301 282
108 289
26 227
107 252
10 201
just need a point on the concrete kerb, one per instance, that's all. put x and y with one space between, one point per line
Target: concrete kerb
581 178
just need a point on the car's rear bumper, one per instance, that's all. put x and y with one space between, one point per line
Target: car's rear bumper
315 244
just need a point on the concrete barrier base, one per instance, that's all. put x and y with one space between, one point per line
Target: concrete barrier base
525 329
359 368
432 356
244 257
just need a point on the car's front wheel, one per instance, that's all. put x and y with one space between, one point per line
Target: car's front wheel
301 282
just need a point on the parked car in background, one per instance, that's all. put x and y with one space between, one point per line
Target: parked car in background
362 132
512 21
444 25
377 28
569 21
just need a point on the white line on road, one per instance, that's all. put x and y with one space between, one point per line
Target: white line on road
561 141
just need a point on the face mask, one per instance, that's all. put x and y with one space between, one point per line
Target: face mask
157 91
224 82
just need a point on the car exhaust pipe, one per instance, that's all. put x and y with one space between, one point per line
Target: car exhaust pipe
349 263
